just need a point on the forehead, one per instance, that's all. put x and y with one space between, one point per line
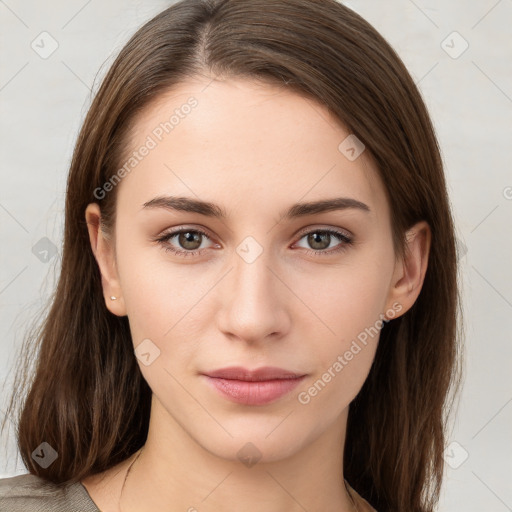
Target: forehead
243 144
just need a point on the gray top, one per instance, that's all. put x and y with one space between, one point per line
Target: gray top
30 493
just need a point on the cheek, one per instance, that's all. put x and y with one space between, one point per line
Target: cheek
153 290
162 305
346 301
342 361
349 307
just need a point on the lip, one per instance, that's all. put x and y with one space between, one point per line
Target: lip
253 387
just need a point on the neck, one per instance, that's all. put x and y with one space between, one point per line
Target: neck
174 472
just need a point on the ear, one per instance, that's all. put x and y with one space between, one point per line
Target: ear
410 271
104 253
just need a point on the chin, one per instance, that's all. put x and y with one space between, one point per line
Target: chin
251 451
257 444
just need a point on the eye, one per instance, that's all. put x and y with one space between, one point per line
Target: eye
189 239
320 240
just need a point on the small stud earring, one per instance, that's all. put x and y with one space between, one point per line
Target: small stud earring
113 298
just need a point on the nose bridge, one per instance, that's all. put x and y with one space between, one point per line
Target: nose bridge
254 306
252 275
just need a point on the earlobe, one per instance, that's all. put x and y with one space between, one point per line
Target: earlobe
411 270
104 255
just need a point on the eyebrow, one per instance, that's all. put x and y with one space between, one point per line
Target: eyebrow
187 204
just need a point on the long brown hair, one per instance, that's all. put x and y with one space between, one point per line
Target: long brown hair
87 397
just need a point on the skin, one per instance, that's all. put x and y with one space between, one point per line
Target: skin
253 149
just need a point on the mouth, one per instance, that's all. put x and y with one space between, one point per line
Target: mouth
253 387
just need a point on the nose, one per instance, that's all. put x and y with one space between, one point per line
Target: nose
255 301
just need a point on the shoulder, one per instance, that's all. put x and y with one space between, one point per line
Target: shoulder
362 504
30 493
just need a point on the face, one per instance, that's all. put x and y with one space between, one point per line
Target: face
304 292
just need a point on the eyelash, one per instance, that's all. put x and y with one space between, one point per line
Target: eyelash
347 241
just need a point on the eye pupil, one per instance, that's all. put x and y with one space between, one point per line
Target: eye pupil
189 237
316 238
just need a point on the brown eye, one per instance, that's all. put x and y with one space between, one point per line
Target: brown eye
188 241
320 240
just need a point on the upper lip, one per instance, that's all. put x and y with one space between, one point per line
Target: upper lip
258 374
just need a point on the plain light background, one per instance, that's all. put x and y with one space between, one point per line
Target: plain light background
459 53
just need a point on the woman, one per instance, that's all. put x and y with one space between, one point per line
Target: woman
257 307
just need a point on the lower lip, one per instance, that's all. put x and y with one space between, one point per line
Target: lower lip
254 393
